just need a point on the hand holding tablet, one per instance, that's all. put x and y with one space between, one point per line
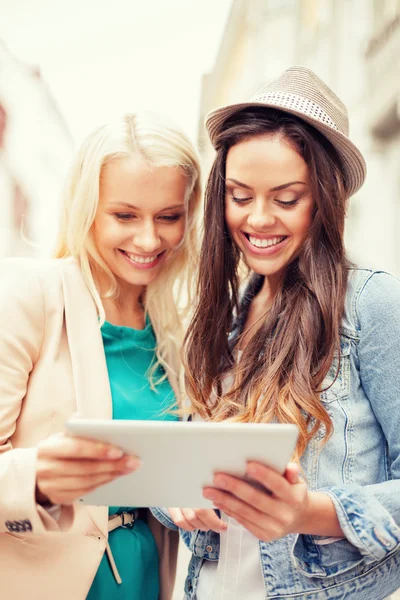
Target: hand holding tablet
179 459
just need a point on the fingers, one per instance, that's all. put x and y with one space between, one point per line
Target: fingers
190 519
204 519
67 490
178 518
270 479
212 520
243 491
263 529
67 467
250 514
243 513
228 502
65 446
270 512
51 467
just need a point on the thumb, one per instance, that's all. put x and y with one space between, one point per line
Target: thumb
292 473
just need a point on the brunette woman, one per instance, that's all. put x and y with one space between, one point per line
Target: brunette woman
313 340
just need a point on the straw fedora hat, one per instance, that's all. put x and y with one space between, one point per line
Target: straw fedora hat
299 91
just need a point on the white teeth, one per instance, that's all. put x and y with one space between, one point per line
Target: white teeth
141 259
259 243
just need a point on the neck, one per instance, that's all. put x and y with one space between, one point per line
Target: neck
127 313
125 309
270 288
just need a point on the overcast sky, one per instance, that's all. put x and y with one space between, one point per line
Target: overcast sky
102 57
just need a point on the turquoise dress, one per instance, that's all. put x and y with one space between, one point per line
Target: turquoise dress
129 355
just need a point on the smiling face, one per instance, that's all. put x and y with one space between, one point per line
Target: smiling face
140 219
268 203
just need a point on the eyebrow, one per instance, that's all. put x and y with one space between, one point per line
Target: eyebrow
274 189
128 205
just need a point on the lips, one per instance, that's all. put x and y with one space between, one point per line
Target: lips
141 261
139 258
264 245
265 242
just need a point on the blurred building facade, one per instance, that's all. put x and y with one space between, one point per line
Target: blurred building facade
354 45
35 150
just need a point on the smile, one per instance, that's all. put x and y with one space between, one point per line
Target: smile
266 245
140 261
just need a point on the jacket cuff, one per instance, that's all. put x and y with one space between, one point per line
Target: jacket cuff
370 534
19 512
162 515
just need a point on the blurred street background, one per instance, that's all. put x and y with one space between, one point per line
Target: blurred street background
66 67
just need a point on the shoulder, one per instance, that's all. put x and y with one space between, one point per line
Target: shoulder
372 294
19 276
36 268
26 278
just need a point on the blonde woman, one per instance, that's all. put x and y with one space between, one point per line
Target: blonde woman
96 331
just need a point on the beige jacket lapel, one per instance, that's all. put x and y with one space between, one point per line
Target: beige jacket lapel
89 368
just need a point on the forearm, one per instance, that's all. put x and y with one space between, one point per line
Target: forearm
321 518
369 518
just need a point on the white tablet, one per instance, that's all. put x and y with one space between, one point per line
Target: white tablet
179 458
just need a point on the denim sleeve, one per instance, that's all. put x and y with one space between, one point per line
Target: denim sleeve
162 515
203 544
369 515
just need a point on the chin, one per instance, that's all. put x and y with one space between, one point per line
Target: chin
141 281
135 280
267 271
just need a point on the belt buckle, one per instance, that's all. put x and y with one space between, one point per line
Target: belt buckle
128 525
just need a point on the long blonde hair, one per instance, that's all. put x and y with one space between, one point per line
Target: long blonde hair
160 143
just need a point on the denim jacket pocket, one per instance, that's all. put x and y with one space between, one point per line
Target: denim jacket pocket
336 384
319 558
202 544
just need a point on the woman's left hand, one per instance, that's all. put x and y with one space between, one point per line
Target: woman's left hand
281 509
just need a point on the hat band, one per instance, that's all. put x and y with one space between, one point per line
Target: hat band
297 103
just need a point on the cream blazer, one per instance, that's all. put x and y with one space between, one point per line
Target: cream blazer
52 364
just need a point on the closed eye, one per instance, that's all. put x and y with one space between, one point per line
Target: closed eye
124 216
171 218
287 204
240 200
130 216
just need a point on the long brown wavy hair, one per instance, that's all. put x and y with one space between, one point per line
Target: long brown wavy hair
283 366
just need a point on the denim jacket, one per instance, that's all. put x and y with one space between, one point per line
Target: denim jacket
359 466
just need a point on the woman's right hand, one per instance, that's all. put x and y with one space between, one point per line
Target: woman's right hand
190 519
69 467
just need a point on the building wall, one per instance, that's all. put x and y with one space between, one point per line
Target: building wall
354 45
35 151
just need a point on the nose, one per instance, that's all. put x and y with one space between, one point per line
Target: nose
147 237
261 216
